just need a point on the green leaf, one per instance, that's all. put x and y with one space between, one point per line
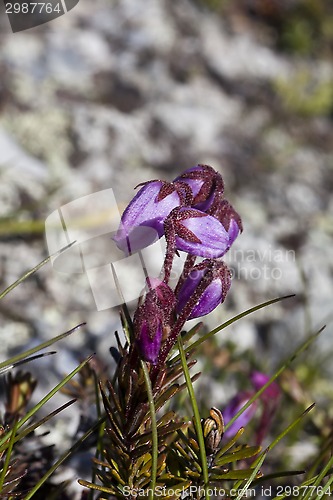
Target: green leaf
97 487
33 270
8 455
319 479
289 360
230 443
186 336
65 456
233 474
202 339
31 428
246 452
154 434
291 426
196 418
11 362
41 403
253 475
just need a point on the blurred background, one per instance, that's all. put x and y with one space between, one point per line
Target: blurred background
117 92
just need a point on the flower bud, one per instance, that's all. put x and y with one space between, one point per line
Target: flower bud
213 429
151 317
142 221
149 341
196 233
214 294
206 185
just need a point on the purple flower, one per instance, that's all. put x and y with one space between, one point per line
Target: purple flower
230 219
233 408
152 317
196 232
218 276
259 379
150 342
269 400
142 221
206 185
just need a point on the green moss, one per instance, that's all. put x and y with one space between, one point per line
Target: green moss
306 94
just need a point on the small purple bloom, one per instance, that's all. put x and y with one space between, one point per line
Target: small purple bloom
230 220
151 317
150 344
233 408
214 294
206 185
142 221
259 379
269 401
196 232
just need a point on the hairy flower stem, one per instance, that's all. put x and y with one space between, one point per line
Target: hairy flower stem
170 237
189 263
177 327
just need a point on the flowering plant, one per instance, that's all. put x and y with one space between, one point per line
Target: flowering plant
145 446
149 449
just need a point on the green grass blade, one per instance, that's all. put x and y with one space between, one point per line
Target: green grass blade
26 360
42 421
24 277
242 492
32 271
64 457
291 426
318 480
8 455
11 362
231 321
99 445
289 360
325 488
277 475
154 453
125 315
41 403
197 419
279 437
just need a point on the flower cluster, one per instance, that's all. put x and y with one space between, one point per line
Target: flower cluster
194 217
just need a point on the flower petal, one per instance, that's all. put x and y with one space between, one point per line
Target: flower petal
142 220
213 295
233 408
214 239
150 346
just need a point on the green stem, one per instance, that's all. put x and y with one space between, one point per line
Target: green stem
197 420
243 490
154 433
8 455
